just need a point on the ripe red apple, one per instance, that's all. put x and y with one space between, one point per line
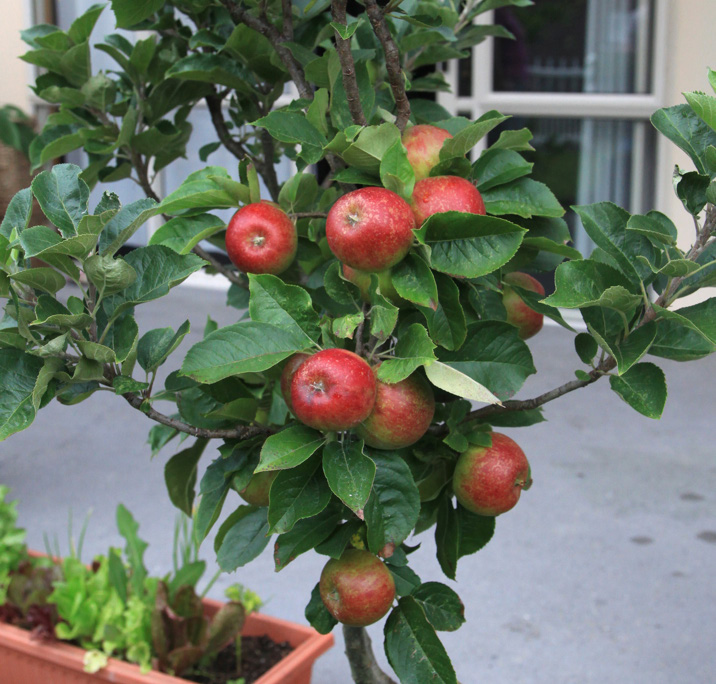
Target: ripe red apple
256 492
370 229
445 193
527 320
287 376
357 589
361 280
260 238
333 390
423 144
489 480
401 415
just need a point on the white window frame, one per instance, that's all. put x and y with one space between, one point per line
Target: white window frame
637 107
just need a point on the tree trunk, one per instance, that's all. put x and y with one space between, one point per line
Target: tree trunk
364 667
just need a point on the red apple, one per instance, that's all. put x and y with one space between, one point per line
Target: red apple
361 280
357 588
370 229
401 415
527 320
256 492
287 376
445 193
333 390
489 480
423 144
260 238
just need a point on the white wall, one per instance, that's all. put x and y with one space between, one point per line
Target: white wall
15 73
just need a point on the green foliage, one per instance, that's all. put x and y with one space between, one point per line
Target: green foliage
439 312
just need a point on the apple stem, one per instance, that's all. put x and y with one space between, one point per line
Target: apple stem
359 651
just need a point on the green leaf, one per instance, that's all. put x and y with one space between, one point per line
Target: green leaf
413 349
109 275
242 537
586 347
180 475
447 323
298 493
633 348
396 173
394 503
285 306
122 336
413 648
469 245
591 283
96 352
123 385
317 614
62 196
682 126
366 153
443 607
493 356
134 549
209 188
413 280
289 448
49 311
210 68
654 225
524 197
158 269
345 326
700 317
305 535
182 234
18 213
350 473
468 137
125 223
454 381
42 241
247 347
42 278
19 373
680 343
643 387
82 27
156 345
691 190
497 167
704 106
131 12
291 127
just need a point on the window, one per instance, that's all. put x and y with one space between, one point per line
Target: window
584 76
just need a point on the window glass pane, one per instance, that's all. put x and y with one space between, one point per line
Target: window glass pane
580 46
591 160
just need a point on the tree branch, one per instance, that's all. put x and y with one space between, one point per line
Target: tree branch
267 169
364 667
241 15
392 62
608 363
348 68
217 118
244 432
287 9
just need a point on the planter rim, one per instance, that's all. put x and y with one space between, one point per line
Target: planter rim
308 645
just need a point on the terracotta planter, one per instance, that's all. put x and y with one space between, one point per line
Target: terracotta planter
24 661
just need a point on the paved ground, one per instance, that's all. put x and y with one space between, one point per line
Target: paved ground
603 574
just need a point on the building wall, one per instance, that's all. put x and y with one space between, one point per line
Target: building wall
16 74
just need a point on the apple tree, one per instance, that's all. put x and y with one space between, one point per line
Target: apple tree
380 295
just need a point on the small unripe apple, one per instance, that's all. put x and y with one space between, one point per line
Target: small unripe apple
287 376
333 390
357 588
438 194
256 492
370 229
260 238
489 480
361 280
401 415
423 143
527 320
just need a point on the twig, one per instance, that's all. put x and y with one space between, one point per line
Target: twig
242 15
287 9
348 68
227 272
217 118
267 169
308 214
392 62
359 331
244 432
